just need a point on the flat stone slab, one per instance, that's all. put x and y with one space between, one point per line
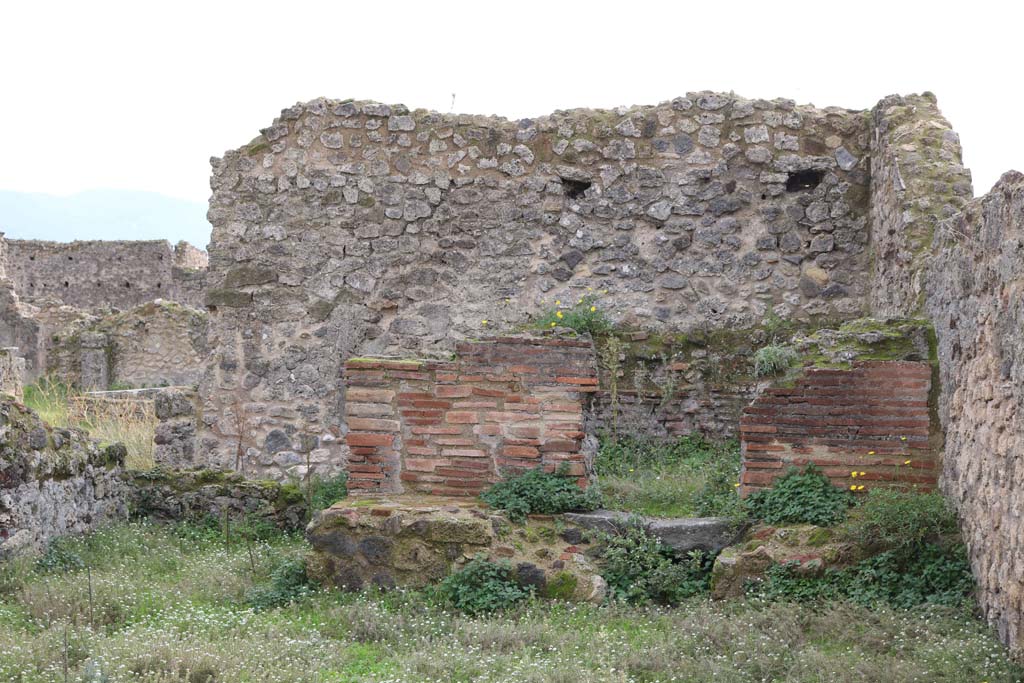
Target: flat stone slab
682 534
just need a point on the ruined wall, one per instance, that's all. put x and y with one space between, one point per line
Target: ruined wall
455 427
975 297
872 419
52 481
12 372
18 329
105 274
353 228
155 344
917 180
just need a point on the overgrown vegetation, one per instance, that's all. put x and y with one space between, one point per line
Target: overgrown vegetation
690 476
913 555
773 359
584 316
323 493
132 423
170 604
800 497
935 575
482 586
539 492
640 569
288 582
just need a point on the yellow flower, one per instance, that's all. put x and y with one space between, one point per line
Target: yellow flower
558 302
580 301
483 322
593 308
553 324
863 473
853 474
903 438
736 484
559 314
508 300
906 462
871 452
860 488
852 487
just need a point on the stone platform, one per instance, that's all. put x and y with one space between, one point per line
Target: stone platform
417 540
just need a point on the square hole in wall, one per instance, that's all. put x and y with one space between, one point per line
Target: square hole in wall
798 181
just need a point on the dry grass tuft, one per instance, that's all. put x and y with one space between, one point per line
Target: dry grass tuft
110 420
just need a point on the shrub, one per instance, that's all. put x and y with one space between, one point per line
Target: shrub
900 520
800 497
482 586
538 492
773 359
640 569
288 583
583 317
326 492
933 575
60 556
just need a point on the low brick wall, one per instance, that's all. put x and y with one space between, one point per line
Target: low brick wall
872 418
454 427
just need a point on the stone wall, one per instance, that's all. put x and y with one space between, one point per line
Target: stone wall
455 427
18 329
156 344
175 438
975 296
917 180
12 372
872 419
355 228
104 274
228 497
52 481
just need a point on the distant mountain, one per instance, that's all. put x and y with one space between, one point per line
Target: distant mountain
103 215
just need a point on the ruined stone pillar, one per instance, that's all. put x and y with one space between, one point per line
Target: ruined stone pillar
95 360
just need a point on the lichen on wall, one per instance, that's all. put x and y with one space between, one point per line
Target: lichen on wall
975 296
52 481
917 180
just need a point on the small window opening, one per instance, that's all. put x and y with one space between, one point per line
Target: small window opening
804 180
574 189
127 285
66 283
158 285
71 258
31 258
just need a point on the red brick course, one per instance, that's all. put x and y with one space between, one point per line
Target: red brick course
455 427
873 418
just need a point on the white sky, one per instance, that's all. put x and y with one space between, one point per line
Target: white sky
138 96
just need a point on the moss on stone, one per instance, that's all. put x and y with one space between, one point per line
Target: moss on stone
561 586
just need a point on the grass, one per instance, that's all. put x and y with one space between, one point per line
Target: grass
130 422
683 478
170 605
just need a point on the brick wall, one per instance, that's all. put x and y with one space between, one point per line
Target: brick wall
713 412
454 427
872 418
